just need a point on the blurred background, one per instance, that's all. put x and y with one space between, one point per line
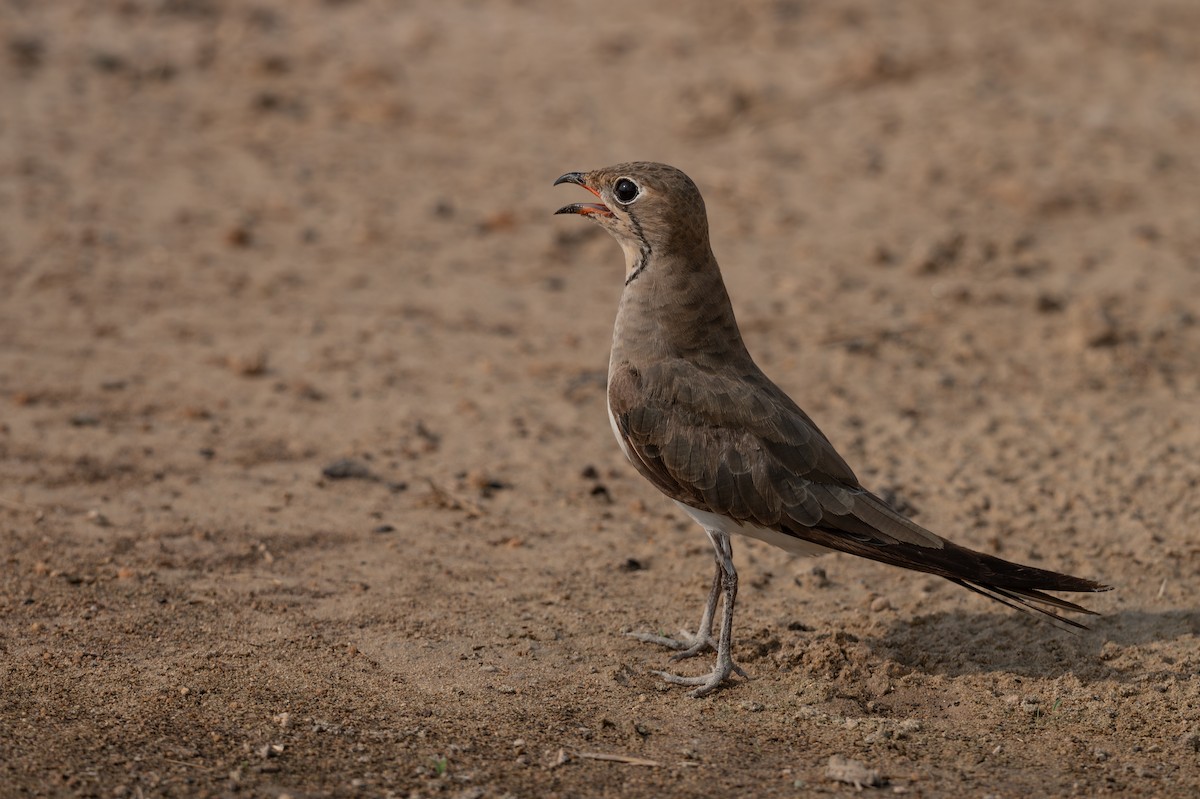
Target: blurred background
301 381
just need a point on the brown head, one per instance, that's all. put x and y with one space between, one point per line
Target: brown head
674 300
649 208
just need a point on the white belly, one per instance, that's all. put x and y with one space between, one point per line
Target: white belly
791 544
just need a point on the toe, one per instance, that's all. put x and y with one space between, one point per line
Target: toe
700 646
660 640
679 679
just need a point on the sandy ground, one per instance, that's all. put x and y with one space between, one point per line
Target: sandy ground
242 241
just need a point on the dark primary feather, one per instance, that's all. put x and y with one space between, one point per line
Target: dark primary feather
734 444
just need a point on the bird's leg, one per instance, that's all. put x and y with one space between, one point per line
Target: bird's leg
724 667
703 639
687 644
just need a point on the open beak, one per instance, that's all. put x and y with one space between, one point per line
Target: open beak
600 209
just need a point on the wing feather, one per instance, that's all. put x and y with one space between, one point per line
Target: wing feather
742 449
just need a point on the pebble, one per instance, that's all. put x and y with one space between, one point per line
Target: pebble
1095 323
247 364
852 772
347 469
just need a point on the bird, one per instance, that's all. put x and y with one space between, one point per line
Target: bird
698 418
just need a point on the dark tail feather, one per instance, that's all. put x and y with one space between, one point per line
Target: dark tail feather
1016 585
1032 603
1013 584
1019 586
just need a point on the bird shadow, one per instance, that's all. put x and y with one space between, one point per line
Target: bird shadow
960 643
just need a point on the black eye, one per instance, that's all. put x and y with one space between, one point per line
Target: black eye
626 191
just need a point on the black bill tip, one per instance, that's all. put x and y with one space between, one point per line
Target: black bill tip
571 177
585 209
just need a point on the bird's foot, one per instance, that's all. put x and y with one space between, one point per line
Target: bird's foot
686 645
723 670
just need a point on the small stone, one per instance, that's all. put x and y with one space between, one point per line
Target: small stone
880 604
26 52
97 518
239 236
937 255
248 364
1096 324
1147 232
852 772
347 469
485 484
1050 303
600 492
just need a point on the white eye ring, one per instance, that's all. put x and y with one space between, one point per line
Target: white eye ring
626 191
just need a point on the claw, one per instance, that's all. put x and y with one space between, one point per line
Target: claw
695 649
706 683
659 640
686 645
679 679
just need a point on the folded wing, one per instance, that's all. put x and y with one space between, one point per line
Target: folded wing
741 448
